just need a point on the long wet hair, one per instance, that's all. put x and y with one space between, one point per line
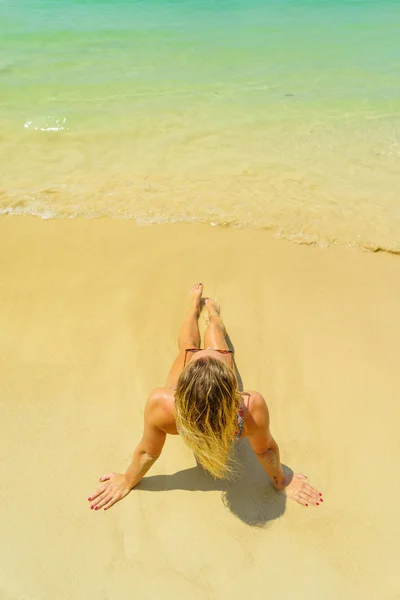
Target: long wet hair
207 401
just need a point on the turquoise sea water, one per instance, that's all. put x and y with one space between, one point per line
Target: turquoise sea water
281 114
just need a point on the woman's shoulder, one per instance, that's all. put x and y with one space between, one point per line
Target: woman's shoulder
256 412
253 400
159 394
160 408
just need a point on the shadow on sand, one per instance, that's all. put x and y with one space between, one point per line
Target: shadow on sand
250 497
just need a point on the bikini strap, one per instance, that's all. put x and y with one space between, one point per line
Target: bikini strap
240 420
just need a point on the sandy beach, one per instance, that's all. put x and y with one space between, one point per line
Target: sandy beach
89 315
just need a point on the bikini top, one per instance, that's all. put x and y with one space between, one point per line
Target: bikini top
240 420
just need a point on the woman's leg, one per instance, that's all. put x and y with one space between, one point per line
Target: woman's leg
214 335
189 335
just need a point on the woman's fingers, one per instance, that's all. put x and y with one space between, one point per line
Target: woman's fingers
101 489
110 504
312 493
99 499
311 497
310 488
302 492
104 501
306 499
97 493
115 488
301 500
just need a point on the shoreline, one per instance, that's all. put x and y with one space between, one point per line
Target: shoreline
316 239
89 315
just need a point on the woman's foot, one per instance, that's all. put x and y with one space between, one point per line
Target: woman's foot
212 307
195 298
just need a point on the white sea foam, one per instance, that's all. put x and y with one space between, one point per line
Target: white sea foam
47 124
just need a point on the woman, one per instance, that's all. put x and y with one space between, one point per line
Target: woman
202 403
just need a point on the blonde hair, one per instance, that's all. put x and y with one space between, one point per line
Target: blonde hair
207 401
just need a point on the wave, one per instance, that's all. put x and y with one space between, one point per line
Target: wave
321 240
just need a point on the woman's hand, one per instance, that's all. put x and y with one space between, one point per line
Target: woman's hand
297 488
114 489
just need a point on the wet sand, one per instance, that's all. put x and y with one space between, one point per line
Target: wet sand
89 315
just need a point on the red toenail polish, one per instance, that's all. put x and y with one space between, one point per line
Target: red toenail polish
89 499
306 504
97 508
320 500
317 503
92 506
320 494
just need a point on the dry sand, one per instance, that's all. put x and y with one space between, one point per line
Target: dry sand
89 314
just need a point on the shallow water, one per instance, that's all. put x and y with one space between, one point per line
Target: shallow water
282 115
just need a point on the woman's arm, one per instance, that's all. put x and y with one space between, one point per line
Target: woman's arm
149 447
117 485
267 452
263 444
270 462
